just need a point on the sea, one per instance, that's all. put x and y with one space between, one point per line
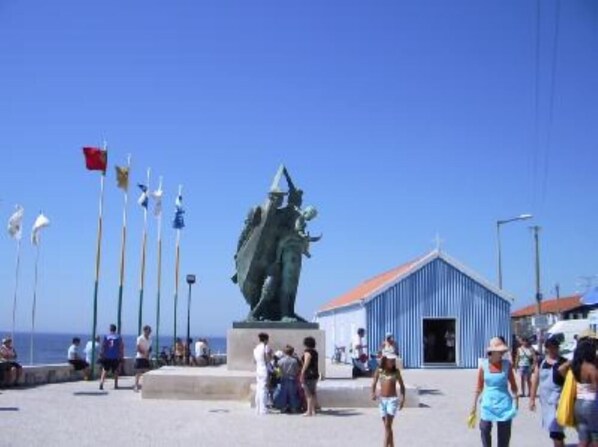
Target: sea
52 347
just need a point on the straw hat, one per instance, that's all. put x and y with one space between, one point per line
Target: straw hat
497 345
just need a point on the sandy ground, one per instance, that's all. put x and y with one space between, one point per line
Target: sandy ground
78 414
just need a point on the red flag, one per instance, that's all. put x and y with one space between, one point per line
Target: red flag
96 159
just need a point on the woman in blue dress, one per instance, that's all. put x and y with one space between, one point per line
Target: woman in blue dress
496 404
549 382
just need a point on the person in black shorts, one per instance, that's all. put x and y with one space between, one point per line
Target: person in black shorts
111 355
10 369
144 348
74 358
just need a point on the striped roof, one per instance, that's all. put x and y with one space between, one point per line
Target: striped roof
376 285
551 306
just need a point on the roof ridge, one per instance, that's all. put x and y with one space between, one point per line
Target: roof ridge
371 285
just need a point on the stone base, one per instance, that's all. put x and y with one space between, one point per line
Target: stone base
340 393
197 383
240 343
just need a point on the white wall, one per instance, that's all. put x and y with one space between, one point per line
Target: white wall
340 326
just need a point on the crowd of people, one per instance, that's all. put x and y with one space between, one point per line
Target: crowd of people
543 376
285 381
109 355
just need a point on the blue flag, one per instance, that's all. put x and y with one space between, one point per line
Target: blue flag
179 220
144 197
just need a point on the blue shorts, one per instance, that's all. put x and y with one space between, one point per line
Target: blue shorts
586 417
525 371
388 406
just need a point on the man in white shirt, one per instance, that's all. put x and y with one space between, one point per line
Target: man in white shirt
144 347
88 348
74 358
262 354
202 351
358 353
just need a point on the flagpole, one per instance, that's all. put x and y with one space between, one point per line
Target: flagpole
34 303
143 250
157 350
176 272
14 302
122 253
97 277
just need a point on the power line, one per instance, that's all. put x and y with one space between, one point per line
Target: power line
536 144
551 101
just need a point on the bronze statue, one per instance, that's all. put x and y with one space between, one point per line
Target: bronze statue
270 252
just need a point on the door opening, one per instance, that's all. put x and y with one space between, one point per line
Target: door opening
440 341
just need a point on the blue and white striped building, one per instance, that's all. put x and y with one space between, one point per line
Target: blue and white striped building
424 303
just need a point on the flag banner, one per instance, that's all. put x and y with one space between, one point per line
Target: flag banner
144 197
122 177
179 220
15 222
96 159
41 222
157 197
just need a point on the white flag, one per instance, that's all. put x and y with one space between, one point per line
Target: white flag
41 222
157 196
15 222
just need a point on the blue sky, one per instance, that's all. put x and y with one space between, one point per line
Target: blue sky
399 119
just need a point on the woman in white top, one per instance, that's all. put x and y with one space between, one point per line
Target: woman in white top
262 355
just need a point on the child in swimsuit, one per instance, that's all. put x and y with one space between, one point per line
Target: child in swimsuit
388 375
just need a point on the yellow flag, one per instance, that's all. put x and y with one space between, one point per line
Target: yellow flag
122 177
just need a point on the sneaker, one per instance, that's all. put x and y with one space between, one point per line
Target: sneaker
101 386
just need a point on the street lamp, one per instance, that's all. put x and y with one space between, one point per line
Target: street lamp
190 281
499 254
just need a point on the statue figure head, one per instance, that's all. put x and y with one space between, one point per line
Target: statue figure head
295 197
276 196
310 212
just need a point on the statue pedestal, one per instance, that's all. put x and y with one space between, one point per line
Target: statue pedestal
242 339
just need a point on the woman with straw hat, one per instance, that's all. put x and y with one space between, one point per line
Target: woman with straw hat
497 404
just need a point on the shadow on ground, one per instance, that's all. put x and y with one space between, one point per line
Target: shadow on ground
430 392
340 413
90 393
9 409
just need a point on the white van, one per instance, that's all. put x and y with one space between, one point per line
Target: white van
566 330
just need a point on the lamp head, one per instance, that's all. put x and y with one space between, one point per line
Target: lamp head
190 279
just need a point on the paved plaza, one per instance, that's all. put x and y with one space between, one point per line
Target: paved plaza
77 414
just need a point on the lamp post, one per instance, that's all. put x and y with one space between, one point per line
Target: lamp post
190 281
498 248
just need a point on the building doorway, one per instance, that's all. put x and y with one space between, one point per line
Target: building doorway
440 341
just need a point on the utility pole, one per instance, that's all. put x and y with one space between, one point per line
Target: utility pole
536 229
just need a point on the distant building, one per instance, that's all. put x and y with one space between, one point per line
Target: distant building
425 303
573 307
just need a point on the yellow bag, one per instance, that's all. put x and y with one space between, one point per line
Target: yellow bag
471 420
565 413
